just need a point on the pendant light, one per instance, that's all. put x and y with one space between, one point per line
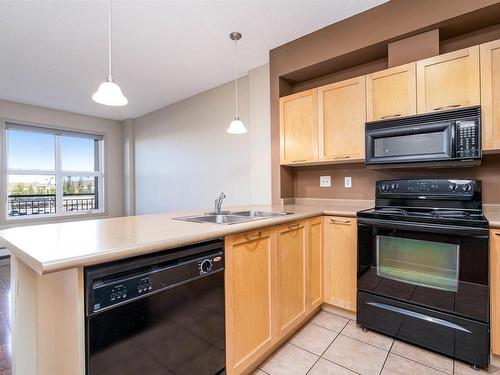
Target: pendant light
109 93
236 126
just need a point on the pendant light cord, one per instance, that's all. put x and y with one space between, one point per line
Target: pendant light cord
236 78
110 77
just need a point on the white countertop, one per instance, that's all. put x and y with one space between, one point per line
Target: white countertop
54 247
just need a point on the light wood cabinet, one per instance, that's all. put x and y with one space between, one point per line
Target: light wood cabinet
290 275
273 284
490 95
299 127
495 290
342 117
249 285
391 93
448 81
314 263
340 262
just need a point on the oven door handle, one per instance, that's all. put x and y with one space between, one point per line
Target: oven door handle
416 315
426 227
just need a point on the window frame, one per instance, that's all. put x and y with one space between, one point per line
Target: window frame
58 172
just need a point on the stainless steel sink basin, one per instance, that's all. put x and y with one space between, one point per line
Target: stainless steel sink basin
258 214
217 219
232 217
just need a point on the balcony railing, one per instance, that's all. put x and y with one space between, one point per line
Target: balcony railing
40 204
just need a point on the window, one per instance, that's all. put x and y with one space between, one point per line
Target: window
52 172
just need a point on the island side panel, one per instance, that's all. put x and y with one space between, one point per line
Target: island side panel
48 327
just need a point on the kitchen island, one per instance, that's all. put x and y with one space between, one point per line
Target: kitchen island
48 331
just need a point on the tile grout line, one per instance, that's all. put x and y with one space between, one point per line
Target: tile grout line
420 363
335 363
367 343
386 357
324 351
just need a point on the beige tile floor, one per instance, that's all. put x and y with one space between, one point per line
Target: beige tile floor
333 345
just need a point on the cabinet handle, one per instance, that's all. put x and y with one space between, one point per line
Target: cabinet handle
293 226
389 116
342 157
340 221
298 161
497 233
446 106
253 235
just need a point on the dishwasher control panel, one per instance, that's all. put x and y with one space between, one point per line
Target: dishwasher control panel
118 289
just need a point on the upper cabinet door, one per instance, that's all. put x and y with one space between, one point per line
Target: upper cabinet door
342 117
391 93
448 81
490 94
299 127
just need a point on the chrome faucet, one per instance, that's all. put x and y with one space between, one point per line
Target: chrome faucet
218 204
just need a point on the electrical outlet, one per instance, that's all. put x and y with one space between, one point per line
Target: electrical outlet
348 182
325 181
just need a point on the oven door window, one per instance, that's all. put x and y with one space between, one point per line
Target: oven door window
418 262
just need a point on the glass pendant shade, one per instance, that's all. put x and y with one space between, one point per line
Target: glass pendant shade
109 93
236 127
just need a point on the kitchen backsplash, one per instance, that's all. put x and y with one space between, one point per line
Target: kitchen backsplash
306 179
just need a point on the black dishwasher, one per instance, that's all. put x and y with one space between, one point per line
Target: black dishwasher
157 314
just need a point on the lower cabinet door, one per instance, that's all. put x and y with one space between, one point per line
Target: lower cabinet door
249 295
341 262
315 262
290 275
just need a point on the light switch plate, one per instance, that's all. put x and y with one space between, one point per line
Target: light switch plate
325 181
348 182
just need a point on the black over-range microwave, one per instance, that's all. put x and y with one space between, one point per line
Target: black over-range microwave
436 139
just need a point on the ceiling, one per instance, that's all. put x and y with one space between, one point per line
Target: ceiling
54 53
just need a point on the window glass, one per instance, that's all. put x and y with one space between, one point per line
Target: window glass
31 150
79 193
78 154
426 263
31 195
39 159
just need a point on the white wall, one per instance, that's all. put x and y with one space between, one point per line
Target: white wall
184 158
259 102
112 130
128 145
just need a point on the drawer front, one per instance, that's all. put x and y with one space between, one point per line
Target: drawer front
453 336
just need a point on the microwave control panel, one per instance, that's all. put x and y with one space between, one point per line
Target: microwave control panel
468 142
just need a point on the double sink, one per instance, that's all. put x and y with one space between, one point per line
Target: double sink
232 217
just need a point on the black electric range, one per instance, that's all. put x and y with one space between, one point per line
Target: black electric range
423 266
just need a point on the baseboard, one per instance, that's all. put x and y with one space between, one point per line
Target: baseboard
339 311
495 360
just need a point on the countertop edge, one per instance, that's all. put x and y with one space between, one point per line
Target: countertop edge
123 252
44 268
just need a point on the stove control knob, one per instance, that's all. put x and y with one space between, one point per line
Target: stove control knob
394 186
384 187
466 187
453 186
206 266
